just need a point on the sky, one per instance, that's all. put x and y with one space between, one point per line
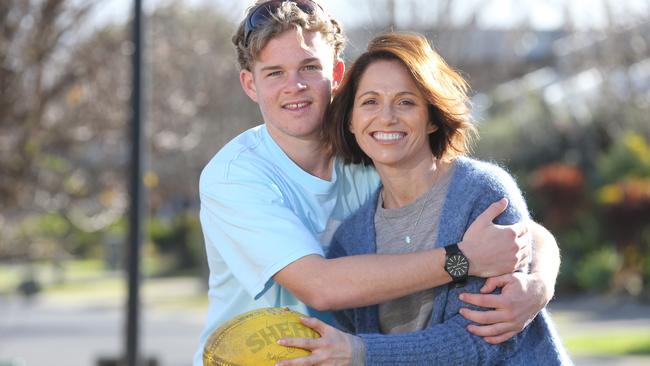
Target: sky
540 14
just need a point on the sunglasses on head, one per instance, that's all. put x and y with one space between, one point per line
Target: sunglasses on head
263 12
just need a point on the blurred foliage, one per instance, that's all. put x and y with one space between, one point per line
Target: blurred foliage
53 236
181 238
628 157
595 271
34 48
64 127
587 180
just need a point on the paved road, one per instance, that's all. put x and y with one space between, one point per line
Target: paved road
600 314
76 331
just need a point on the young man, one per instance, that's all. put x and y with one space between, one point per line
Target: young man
273 196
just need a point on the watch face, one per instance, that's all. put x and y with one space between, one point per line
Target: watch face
457 265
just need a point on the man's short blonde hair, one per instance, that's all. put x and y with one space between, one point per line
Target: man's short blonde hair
287 15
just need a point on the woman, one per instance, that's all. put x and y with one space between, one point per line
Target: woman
404 110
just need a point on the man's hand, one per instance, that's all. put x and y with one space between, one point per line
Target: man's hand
522 297
493 249
333 348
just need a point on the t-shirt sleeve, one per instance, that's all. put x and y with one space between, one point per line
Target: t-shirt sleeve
253 229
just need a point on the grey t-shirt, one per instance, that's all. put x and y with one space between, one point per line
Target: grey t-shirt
397 232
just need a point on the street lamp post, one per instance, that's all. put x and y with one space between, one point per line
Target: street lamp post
137 210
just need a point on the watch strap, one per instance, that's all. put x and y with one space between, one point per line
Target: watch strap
452 249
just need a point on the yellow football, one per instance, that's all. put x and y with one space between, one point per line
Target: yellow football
251 339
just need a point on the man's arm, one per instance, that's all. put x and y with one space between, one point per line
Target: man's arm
260 238
546 260
522 295
355 281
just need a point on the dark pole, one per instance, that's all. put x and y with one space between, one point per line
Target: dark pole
137 211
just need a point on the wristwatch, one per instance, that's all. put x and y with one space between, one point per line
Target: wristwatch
456 264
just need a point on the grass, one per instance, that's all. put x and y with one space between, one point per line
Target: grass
88 280
107 287
10 277
75 275
614 343
46 272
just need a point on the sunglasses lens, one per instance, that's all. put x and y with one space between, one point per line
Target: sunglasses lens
261 14
265 11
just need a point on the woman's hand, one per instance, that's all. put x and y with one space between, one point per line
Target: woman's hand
333 348
522 297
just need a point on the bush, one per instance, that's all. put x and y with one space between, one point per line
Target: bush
179 237
585 237
629 156
596 271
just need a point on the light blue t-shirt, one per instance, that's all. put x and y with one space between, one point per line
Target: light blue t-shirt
260 212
